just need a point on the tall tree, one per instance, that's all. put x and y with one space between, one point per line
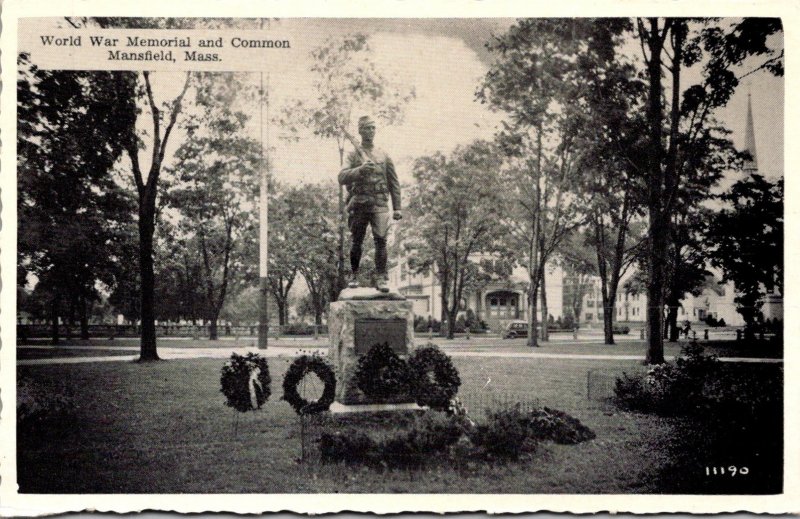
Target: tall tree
577 258
312 212
709 155
71 213
346 80
455 204
613 181
286 250
163 117
672 45
215 186
747 239
542 79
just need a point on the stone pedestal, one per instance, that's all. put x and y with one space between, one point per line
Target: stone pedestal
354 326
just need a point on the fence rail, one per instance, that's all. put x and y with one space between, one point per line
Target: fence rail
106 331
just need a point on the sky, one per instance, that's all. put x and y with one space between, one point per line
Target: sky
443 67
444 60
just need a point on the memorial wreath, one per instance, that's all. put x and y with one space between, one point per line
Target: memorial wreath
436 379
301 367
246 382
381 374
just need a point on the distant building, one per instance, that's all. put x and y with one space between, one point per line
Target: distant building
496 303
502 301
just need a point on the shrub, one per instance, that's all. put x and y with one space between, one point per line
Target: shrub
461 323
469 321
427 437
503 435
43 409
436 432
478 326
421 325
303 329
351 446
558 426
629 392
622 330
569 322
671 388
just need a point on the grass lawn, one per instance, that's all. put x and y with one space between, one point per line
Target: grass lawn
756 349
162 428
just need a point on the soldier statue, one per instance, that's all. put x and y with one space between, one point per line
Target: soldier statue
371 180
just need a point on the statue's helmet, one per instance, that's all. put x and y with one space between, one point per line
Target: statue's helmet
365 121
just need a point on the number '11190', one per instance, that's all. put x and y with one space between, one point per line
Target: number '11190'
731 471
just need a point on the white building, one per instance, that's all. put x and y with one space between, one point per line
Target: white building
502 301
495 303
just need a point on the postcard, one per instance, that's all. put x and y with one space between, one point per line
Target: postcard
392 257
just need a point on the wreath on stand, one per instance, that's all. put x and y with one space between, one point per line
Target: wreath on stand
246 382
436 379
381 375
301 367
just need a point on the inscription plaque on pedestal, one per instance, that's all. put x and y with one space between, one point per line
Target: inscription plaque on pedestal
369 332
355 326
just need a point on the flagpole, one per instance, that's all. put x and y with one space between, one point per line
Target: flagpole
263 222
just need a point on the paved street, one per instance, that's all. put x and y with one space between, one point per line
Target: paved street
477 347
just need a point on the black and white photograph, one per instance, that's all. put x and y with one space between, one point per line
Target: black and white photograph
467 256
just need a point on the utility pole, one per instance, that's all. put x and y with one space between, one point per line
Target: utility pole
263 222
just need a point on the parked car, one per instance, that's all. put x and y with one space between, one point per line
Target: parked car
517 329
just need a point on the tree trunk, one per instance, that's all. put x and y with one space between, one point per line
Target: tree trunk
443 301
84 317
146 231
54 319
318 311
533 293
672 322
749 325
213 332
281 311
545 314
657 239
608 319
69 320
451 321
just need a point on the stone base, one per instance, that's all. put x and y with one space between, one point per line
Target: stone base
343 351
369 294
337 408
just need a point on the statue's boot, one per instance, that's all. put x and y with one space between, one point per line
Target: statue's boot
353 282
383 284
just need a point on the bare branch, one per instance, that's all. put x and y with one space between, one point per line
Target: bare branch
642 35
156 127
176 108
763 65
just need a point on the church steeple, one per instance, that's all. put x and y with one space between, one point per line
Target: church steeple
751 165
